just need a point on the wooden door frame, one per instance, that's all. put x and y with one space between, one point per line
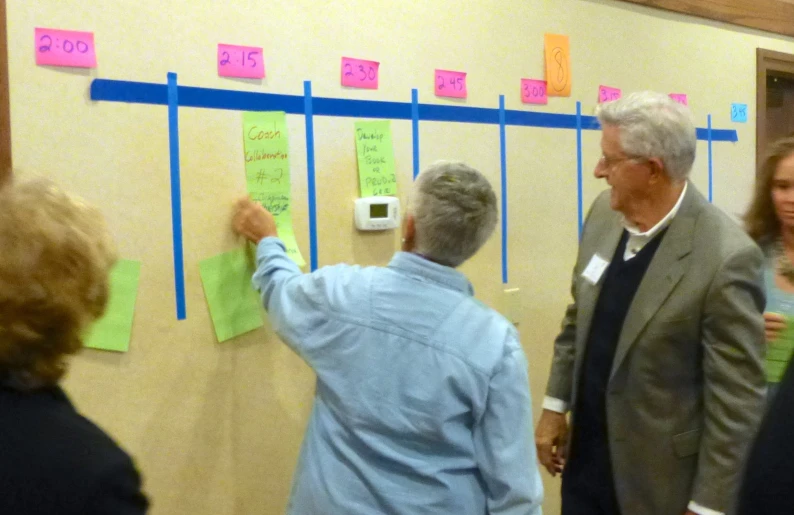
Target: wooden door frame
5 103
767 61
770 15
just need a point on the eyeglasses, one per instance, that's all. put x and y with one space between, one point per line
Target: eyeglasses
608 163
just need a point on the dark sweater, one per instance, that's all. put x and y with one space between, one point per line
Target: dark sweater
589 469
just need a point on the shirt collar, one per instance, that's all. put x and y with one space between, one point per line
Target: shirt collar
418 266
633 230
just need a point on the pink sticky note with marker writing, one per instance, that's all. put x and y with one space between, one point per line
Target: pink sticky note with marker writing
451 84
680 98
359 73
534 91
240 61
608 94
56 47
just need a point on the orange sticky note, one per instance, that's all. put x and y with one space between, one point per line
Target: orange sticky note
558 65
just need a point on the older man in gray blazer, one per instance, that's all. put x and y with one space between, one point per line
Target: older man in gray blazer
659 357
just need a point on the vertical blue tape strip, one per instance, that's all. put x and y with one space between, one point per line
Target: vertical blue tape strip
503 152
308 111
711 162
579 165
176 196
415 127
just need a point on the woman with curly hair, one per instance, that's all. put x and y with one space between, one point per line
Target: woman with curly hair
54 264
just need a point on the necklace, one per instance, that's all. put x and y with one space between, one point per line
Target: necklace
784 265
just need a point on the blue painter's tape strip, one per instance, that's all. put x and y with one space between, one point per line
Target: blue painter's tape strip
239 100
361 108
711 161
545 120
130 92
444 113
718 135
503 153
176 196
148 93
308 110
415 128
579 195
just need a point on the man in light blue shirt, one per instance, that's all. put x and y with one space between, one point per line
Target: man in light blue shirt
422 403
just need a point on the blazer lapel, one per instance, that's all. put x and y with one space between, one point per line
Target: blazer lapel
663 274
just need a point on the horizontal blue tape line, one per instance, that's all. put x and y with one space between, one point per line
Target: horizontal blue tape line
149 93
718 135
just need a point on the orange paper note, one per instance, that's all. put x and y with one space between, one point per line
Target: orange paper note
558 65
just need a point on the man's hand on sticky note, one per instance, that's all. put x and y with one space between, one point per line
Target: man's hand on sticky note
252 221
774 323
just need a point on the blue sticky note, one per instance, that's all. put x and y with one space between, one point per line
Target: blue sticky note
739 113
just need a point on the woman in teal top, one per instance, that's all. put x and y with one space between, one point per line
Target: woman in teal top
770 222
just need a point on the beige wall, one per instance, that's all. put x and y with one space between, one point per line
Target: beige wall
216 428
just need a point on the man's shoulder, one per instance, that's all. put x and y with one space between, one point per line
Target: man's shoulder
720 235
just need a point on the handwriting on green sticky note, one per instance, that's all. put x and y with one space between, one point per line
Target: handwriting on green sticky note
233 304
267 171
375 154
113 331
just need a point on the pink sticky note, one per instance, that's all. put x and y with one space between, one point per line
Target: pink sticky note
56 47
358 73
451 84
680 98
241 61
607 94
534 91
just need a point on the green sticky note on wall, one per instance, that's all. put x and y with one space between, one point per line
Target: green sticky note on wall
233 303
114 330
375 154
267 171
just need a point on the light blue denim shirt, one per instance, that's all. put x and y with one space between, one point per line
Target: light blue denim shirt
422 403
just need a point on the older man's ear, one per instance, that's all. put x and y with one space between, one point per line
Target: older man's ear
409 232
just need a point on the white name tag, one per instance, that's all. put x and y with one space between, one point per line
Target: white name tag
595 269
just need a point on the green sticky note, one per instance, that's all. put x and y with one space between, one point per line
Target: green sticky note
267 171
233 303
375 159
113 331
287 235
779 352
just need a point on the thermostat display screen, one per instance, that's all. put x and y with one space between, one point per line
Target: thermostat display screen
378 211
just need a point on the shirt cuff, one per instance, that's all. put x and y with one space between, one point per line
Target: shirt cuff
560 406
702 510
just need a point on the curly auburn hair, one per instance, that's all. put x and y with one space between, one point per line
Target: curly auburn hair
761 222
54 265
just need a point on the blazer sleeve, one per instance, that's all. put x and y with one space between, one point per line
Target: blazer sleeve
560 384
734 381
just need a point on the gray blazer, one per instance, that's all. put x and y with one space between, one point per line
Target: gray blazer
686 390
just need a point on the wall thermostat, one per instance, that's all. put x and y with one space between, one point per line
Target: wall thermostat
377 213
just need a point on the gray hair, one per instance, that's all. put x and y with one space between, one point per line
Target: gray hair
454 210
654 125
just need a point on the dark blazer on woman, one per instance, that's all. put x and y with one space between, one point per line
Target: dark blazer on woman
53 461
768 487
